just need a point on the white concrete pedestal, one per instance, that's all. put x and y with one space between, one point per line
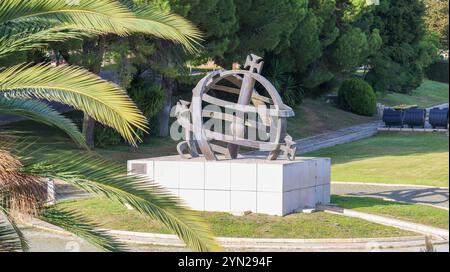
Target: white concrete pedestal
246 184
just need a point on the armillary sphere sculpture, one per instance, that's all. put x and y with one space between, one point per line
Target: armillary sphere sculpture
265 104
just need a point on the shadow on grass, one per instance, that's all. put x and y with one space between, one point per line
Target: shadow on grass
431 196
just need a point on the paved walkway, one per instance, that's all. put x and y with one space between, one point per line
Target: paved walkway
410 194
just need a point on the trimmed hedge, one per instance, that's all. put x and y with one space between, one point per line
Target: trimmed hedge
357 96
438 71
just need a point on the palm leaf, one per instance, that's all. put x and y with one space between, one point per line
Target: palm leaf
10 224
39 37
89 14
163 24
105 16
102 178
11 238
81 227
41 112
102 100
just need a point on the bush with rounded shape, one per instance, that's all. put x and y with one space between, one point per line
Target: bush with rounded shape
357 96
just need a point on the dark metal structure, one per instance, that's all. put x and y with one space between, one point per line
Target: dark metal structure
415 117
392 117
438 118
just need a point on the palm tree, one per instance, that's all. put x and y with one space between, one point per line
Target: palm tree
32 24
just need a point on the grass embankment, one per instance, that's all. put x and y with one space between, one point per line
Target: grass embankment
314 117
429 94
307 226
406 158
415 213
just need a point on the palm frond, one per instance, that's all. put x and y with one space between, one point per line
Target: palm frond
10 223
75 223
102 100
11 237
104 16
9 240
41 112
40 37
165 25
95 175
20 192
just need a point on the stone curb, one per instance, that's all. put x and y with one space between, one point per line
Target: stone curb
438 233
155 239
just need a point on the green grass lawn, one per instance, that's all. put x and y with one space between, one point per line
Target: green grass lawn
317 225
415 213
430 93
407 158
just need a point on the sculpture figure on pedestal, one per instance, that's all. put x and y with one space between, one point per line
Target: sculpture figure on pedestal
233 109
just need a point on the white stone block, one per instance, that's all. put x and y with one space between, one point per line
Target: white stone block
327 171
270 203
326 198
294 200
307 197
167 174
304 175
319 195
195 199
243 201
243 176
308 176
246 184
270 177
217 176
192 175
292 176
315 171
218 201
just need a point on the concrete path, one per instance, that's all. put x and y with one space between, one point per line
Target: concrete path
411 194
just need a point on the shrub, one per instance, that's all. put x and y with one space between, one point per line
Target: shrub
357 96
188 82
438 71
105 136
149 98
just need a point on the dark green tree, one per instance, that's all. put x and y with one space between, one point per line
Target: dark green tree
406 50
218 21
436 20
329 43
265 26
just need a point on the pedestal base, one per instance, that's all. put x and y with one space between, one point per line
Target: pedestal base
241 185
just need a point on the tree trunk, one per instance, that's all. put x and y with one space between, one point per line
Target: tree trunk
164 116
93 51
